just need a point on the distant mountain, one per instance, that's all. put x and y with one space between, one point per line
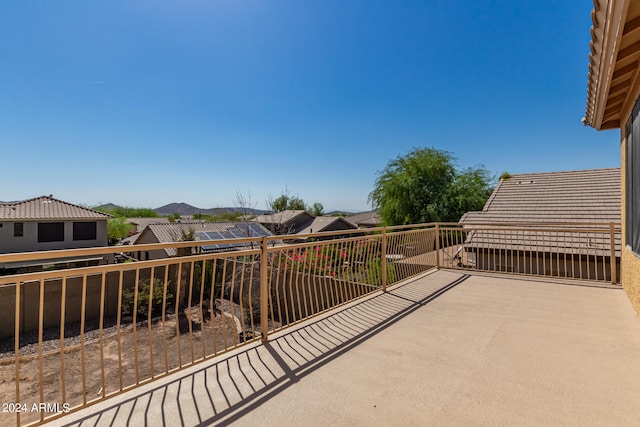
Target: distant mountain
179 208
107 207
185 209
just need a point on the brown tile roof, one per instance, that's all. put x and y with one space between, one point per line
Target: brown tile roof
326 223
554 197
141 223
283 217
585 196
46 208
365 219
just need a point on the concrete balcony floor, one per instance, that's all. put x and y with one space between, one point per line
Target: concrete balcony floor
445 349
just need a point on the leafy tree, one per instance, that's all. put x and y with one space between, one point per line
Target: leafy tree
117 229
280 204
424 186
286 202
316 209
296 204
468 192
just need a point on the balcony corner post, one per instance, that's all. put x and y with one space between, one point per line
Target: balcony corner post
264 291
384 259
613 261
438 245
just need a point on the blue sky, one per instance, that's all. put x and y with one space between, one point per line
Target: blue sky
143 103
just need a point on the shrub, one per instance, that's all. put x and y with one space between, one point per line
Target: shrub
128 298
374 272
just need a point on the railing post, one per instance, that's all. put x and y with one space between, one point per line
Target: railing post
613 262
438 245
264 291
384 259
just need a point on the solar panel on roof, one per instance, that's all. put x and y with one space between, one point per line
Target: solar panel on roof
253 230
214 235
227 235
238 231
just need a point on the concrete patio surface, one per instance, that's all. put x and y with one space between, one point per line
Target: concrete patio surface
445 349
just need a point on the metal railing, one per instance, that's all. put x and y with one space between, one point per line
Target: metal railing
583 251
73 337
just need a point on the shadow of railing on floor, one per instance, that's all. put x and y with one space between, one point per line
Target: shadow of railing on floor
222 392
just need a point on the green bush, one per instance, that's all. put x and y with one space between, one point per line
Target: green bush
374 272
128 299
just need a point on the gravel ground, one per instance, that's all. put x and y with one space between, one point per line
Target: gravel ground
51 336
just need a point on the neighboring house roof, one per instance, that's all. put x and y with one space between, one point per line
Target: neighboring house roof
141 223
554 197
173 231
286 222
47 208
326 223
283 217
365 219
586 196
131 240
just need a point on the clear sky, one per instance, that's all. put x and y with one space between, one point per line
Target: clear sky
143 103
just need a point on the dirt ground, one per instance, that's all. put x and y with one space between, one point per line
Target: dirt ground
161 347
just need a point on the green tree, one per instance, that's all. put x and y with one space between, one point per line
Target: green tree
286 202
280 204
468 192
316 209
296 204
424 186
117 229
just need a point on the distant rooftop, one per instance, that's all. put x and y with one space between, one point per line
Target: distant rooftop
173 231
365 219
46 208
326 223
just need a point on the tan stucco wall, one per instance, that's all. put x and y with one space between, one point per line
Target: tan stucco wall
631 277
29 241
630 264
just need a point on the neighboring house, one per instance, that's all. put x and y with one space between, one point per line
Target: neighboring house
369 219
286 222
571 200
45 223
326 223
613 102
302 222
174 232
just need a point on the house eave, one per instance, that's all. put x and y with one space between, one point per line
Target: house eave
613 62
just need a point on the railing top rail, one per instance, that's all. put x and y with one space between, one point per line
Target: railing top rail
107 250
61 254
360 231
535 224
108 268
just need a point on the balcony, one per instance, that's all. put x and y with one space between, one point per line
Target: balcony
405 325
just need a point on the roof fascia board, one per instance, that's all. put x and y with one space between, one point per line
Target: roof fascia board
615 19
